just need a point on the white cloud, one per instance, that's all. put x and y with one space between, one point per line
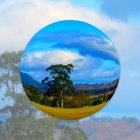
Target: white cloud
108 69
104 74
38 59
21 19
109 65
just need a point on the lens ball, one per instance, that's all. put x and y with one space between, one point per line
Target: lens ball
70 69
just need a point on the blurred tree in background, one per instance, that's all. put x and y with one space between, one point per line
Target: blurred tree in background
21 120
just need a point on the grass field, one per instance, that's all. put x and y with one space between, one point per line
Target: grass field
70 114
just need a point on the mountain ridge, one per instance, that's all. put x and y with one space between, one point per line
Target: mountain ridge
27 80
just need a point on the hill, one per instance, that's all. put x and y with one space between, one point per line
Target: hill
97 88
118 129
29 81
92 88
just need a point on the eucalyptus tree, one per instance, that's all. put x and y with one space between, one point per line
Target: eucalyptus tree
59 83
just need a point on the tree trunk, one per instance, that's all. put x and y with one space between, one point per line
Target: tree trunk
62 101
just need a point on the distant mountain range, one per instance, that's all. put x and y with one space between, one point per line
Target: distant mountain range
93 88
97 88
28 81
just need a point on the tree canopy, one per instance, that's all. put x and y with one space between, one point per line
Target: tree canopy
59 83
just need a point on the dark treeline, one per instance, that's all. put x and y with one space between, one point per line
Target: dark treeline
78 99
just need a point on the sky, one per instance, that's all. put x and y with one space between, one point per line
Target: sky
20 20
74 42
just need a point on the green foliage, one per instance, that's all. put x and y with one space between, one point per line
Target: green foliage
56 102
9 63
80 98
98 101
45 101
72 133
59 83
90 101
32 93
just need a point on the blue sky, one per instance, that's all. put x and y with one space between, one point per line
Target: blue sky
118 9
93 55
20 20
126 9
93 4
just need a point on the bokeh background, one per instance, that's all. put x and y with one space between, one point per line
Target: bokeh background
20 20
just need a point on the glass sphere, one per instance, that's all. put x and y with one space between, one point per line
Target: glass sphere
70 69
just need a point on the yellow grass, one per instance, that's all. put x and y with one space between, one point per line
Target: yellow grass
69 114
